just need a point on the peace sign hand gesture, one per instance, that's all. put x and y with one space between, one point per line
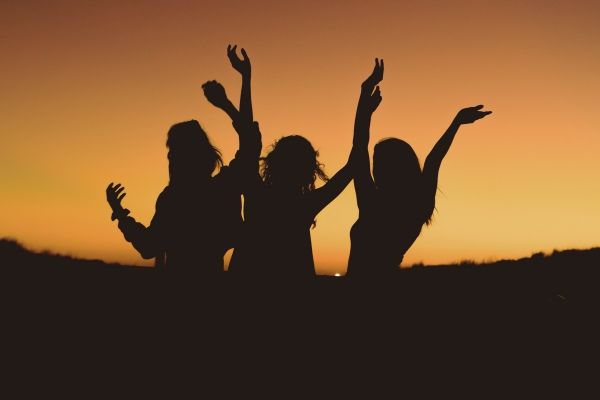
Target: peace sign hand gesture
375 77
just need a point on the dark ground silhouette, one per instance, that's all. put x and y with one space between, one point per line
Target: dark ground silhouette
63 316
562 279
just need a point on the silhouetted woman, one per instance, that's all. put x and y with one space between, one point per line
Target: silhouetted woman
399 198
281 202
198 215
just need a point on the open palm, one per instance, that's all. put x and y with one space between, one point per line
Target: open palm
114 196
376 76
471 114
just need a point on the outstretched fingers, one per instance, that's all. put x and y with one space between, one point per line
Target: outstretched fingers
113 188
114 194
240 64
378 70
480 114
118 188
233 56
471 114
377 74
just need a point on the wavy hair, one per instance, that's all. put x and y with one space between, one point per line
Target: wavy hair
189 137
292 161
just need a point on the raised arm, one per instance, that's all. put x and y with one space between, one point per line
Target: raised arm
246 160
370 97
216 95
324 195
369 100
250 138
434 160
358 165
242 65
146 240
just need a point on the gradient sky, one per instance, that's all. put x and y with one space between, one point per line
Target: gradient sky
89 89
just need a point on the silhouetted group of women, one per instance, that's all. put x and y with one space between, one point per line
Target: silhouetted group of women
199 214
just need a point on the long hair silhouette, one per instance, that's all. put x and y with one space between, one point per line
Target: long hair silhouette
191 154
198 214
399 198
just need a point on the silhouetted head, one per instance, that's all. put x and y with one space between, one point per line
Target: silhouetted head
292 165
191 155
396 167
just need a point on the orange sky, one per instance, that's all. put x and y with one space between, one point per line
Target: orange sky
89 90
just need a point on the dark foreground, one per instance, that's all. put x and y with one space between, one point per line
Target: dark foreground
534 314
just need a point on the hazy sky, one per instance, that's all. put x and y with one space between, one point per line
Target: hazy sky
89 89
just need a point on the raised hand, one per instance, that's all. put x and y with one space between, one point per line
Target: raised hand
373 100
215 94
470 114
376 76
114 195
241 65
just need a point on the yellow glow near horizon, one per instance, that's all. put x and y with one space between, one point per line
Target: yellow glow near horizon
90 90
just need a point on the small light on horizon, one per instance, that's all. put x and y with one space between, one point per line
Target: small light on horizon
337 274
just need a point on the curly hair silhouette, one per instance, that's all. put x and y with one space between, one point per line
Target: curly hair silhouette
281 200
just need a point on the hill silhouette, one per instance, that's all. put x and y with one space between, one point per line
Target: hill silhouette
14 256
13 252
102 317
556 279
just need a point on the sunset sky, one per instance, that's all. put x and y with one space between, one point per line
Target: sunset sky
89 89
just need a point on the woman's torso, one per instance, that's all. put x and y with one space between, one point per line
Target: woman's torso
276 236
200 224
384 231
